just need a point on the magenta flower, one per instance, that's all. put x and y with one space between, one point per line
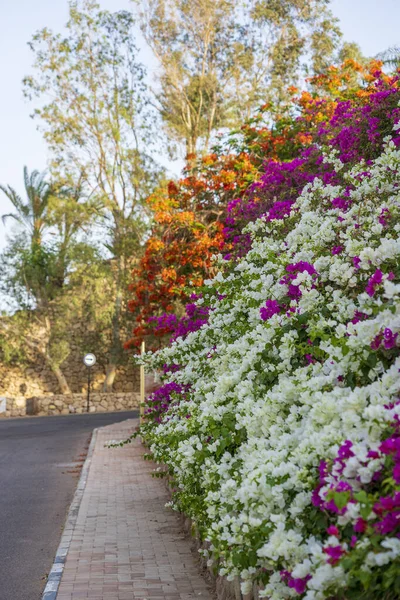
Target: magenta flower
390 446
316 498
373 282
300 267
293 269
279 210
356 262
389 339
299 584
335 553
360 525
333 530
271 308
384 217
358 316
345 451
336 250
323 471
341 203
294 292
390 522
376 342
396 473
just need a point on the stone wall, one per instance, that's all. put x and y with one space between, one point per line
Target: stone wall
35 379
58 404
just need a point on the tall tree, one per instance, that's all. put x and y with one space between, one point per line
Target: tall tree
36 273
221 59
96 121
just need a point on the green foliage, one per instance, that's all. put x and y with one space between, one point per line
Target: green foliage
32 211
220 59
98 125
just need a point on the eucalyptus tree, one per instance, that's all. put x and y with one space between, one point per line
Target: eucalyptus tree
221 59
96 119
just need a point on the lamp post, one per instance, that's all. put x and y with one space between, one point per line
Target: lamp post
89 361
142 386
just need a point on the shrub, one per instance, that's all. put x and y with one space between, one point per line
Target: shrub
299 363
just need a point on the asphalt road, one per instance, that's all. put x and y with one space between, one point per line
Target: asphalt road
38 477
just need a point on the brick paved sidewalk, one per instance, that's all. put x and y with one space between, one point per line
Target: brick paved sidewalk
126 545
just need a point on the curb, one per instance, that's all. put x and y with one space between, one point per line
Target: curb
53 581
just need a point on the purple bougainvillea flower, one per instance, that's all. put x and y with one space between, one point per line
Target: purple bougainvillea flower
300 267
358 316
294 292
396 473
345 451
376 342
390 446
389 339
373 282
384 217
298 584
271 308
323 471
316 498
336 250
390 522
356 262
333 530
309 359
341 203
279 210
360 525
335 553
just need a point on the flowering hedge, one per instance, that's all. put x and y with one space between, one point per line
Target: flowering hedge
280 426
350 107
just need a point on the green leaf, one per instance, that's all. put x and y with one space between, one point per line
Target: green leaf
341 499
365 511
361 497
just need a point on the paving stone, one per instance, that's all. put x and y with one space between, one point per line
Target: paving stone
126 545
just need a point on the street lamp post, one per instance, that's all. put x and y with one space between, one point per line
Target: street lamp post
89 361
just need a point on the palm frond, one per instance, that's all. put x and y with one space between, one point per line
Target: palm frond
10 216
32 211
390 57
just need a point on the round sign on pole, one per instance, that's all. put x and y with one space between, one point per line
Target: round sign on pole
89 360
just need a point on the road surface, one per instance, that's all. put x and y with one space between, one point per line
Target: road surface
40 460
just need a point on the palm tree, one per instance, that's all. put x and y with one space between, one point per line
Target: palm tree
390 57
32 212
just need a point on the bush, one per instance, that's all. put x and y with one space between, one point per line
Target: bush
282 432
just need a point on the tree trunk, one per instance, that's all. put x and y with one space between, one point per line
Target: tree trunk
111 372
44 352
62 382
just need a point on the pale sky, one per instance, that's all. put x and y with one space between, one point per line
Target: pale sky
373 24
